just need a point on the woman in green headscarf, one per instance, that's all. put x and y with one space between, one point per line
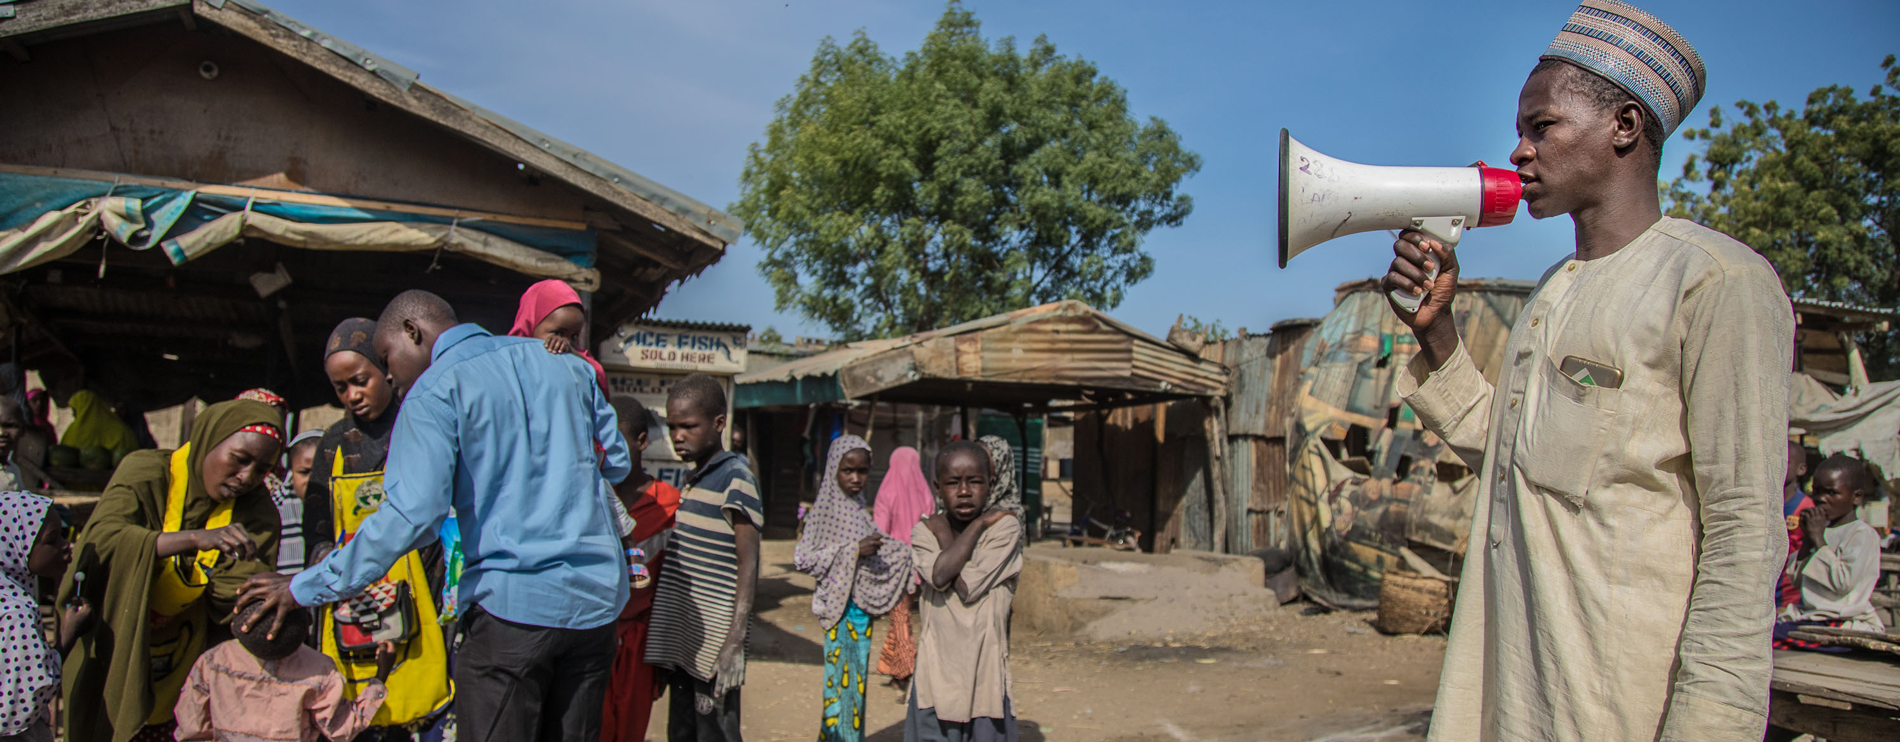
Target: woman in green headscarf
174 536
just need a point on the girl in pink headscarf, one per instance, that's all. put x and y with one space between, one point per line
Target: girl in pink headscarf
902 500
551 311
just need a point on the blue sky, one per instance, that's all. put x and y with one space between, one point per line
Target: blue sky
676 90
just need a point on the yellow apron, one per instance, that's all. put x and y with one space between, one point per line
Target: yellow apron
178 621
420 685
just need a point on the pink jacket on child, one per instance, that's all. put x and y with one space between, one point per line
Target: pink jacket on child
231 694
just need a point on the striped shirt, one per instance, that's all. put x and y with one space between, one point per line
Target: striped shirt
290 545
692 611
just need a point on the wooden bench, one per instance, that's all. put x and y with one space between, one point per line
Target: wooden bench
1838 697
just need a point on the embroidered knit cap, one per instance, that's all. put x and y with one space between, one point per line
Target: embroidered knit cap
1639 53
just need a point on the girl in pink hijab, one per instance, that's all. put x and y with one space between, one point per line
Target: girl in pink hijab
902 500
551 312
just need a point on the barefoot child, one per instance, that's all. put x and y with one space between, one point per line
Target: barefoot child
32 544
1839 561
273 687
704 602
968 556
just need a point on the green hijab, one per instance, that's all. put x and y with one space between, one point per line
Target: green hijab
108 674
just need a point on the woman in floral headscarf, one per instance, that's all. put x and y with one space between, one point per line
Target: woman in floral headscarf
1006 491
174 535
861 573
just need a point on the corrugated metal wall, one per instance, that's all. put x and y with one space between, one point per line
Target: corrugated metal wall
1265 374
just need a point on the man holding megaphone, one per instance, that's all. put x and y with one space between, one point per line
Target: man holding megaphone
1625 540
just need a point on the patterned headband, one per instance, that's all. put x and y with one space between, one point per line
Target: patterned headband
265 429
263 395
1639 53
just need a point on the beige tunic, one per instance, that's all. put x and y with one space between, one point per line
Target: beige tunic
1626 540
963 645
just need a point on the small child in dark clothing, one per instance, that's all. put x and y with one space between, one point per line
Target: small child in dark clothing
254 687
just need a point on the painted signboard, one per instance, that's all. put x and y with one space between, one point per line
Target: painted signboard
643 359
649 387
662 347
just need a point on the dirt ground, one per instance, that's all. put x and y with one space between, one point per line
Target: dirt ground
1284 676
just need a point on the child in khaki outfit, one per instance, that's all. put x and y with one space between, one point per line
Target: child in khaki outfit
969 555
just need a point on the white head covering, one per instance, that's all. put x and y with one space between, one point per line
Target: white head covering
29 669
828 549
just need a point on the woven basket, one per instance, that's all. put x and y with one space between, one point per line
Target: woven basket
1414 604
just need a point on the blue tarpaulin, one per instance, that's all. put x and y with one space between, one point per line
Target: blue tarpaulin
158 214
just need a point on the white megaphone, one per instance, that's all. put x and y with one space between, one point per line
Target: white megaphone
1322 197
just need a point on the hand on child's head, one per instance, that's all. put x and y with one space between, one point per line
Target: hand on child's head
257 640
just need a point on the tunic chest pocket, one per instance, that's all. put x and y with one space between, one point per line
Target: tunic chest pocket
1563 441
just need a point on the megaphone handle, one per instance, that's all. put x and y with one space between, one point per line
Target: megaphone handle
1445 229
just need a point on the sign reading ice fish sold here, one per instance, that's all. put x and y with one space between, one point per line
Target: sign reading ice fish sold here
657 347
643 359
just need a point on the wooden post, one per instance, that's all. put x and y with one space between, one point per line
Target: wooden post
1217 450
870 423
1856 368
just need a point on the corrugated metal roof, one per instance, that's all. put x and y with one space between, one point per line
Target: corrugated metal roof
1055 346
1842 308
686 324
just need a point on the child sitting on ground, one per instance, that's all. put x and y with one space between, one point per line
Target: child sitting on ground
1839 560
256 687
969 554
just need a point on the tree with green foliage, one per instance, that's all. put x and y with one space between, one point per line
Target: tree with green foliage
966 180
1814 192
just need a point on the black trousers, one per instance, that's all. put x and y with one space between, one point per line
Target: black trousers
685 720
521 683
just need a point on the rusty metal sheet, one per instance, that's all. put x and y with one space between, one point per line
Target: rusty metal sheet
1363 473
1058 348
867 377
1066 348
1167 366
969 356
937 357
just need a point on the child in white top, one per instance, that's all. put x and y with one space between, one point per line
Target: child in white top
1839 561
